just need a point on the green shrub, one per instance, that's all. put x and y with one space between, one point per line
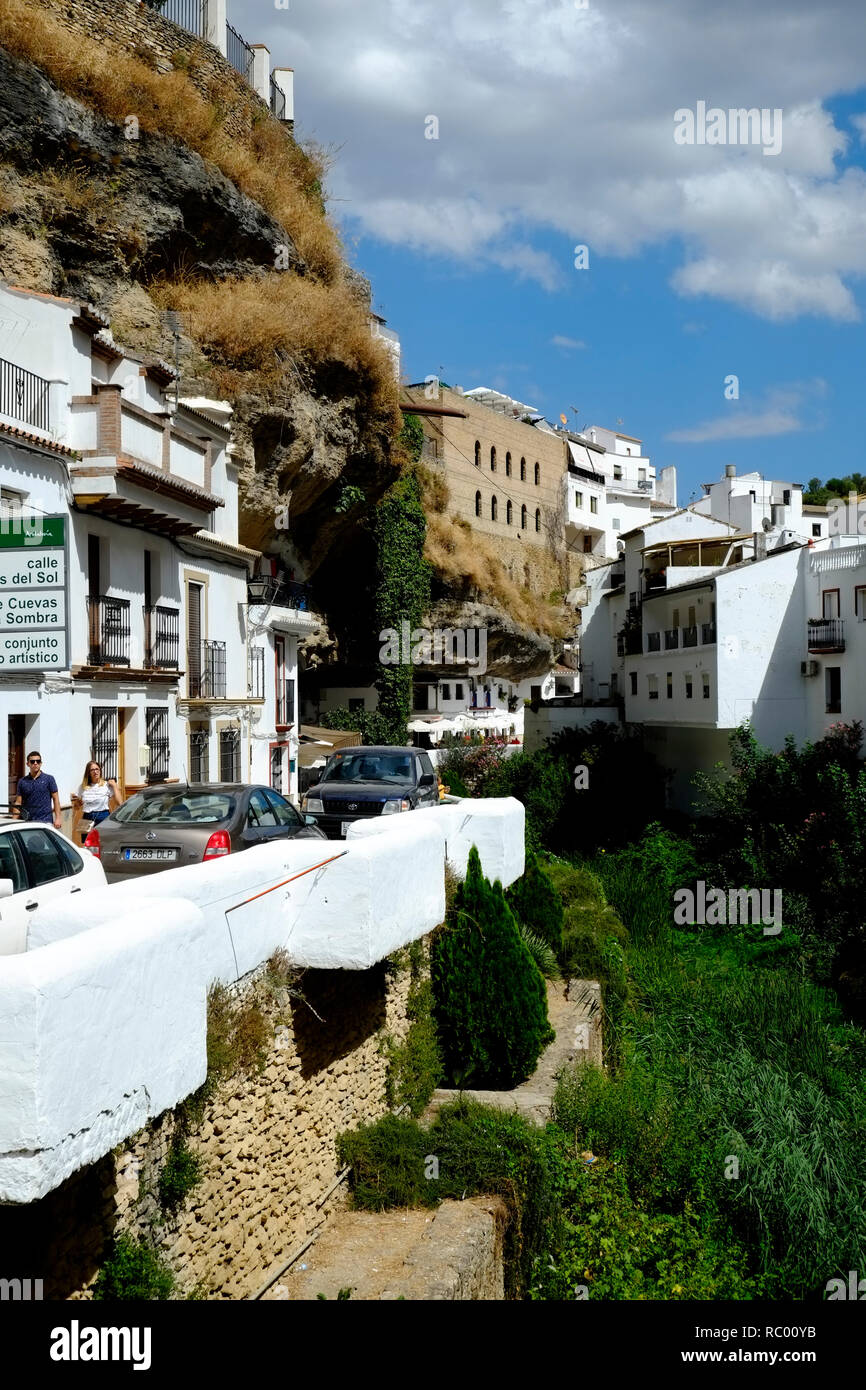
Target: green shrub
535 902
478 1150
415 1065
543 954
490 1000
181 1172
133 1270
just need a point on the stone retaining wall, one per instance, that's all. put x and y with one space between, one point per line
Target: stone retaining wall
267 1141
157 42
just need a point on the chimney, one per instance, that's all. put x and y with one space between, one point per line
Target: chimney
730 470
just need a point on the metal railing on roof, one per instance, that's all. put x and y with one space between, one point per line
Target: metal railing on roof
238 52
186 14
278 100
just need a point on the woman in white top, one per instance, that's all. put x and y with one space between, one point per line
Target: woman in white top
97 798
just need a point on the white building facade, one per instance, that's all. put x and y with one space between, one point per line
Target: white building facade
126 631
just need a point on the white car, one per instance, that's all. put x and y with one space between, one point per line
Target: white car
38 865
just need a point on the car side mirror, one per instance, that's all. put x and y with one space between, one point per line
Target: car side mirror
310 820
427 780
7 888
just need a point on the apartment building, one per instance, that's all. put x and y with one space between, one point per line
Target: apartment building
612 488
127 630
699 627
504 468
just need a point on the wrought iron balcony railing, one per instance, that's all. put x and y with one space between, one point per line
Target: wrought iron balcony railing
108 630
690 636
24 396
708 634
653 641
161 638
672 638
826 635
206 670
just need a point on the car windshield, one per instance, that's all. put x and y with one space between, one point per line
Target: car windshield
177 807
369 767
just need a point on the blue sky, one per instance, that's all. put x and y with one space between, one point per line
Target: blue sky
556 129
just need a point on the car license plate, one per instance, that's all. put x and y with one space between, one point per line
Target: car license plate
150 854
344 826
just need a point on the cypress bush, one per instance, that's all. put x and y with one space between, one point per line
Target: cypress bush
535 902
490 999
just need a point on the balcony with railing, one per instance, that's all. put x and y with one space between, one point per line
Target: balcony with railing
206 670
690 636
672 638
161 637
653 641
24 396
708 634
826 635
282 593
108 631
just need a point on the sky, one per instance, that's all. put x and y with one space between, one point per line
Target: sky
555 125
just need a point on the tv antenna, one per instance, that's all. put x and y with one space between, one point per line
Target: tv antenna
173 324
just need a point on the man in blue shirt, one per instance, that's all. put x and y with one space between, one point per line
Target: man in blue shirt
37 797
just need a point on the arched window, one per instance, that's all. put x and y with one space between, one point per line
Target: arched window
509 510
537 474
478 504
508 465
478 453
523 470
493 458
523 518
538 518
494 508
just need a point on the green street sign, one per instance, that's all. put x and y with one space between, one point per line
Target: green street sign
32 532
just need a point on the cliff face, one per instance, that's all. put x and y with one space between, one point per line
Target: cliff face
88 213
213 210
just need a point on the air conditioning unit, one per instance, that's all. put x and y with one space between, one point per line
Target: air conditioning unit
809 668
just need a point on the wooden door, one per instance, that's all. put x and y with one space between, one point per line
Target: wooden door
16 753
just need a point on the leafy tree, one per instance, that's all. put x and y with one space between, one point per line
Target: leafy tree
536 903
490 999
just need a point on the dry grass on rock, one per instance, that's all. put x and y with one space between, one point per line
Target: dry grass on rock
265 163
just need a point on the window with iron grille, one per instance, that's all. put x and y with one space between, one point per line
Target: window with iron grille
230 755
103 738
257 673
277 769
199 755
156 723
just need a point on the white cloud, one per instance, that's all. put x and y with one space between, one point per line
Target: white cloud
780 413
559 340
559 120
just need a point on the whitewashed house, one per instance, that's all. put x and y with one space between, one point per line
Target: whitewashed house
701 626
611 488
119 505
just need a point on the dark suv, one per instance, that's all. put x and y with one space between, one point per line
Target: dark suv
361 782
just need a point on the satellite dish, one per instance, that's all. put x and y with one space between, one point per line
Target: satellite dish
767 524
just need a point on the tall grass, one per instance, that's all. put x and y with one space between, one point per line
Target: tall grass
727 1054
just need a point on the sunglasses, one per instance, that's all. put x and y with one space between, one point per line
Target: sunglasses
34 760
